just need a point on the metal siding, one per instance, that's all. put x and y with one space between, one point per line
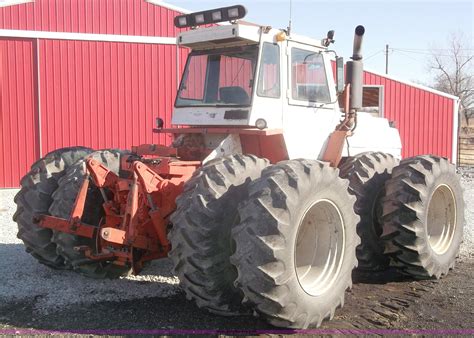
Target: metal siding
108 86
127 17
96 94
18 122
424 119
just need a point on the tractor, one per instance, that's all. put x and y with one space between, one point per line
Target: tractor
276 184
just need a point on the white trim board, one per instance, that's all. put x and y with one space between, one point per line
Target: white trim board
6 3
416 85
454 157
87 37
169 6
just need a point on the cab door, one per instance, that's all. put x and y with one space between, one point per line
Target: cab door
312 111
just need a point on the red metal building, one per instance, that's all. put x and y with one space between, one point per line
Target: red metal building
426 118
98 73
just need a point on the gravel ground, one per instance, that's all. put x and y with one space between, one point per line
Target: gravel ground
34 296
23 278
467 247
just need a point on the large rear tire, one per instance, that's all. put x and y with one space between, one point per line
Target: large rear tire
367 174
296 243
63 202
34 198
200 237
423 216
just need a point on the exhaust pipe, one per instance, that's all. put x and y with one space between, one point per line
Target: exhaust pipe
355 71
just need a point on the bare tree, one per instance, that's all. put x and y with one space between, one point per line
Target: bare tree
453 69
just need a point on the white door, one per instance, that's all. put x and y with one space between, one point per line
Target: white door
312 112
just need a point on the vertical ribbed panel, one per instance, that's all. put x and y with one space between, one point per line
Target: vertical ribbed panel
125 17
18 125
96 94
102 94
424 119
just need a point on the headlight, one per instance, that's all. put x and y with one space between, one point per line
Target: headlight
208 17
181 21
199 19
261 124
233 13
216 16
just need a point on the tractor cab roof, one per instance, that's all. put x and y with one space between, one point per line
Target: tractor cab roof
235 34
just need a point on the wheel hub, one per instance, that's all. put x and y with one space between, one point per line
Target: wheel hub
441 219
320 246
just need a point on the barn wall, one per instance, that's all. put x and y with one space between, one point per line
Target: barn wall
18 122
424 119
102 94
91 93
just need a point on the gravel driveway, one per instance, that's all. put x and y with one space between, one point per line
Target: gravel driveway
24 278
45 295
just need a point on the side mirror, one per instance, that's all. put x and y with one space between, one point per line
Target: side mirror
340 74
159 123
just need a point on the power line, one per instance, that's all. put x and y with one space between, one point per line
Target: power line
375 54
430 49
424 53
408 56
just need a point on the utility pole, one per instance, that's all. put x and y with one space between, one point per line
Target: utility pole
386 59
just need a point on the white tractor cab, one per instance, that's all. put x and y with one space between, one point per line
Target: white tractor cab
245 75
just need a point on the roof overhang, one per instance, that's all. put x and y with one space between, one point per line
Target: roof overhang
225 35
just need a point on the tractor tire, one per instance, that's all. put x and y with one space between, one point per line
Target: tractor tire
296 243
423 216
34 198
367 174
63 202
202 223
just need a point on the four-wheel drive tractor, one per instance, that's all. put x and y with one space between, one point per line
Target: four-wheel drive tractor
268 197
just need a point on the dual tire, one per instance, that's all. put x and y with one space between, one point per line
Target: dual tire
254 254
51 188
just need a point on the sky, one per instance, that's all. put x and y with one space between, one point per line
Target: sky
410 28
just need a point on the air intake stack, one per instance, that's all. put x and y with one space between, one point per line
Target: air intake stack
355 71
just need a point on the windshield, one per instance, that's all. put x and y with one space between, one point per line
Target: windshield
222 77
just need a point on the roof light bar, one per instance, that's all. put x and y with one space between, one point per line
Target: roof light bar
231 13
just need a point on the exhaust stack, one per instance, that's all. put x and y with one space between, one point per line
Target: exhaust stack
355 71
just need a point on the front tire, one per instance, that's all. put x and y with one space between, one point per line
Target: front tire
423 216
295 245
200 237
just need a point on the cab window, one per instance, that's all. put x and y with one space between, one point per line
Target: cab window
308 80
269 77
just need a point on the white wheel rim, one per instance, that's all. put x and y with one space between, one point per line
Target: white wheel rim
319 249
441 219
